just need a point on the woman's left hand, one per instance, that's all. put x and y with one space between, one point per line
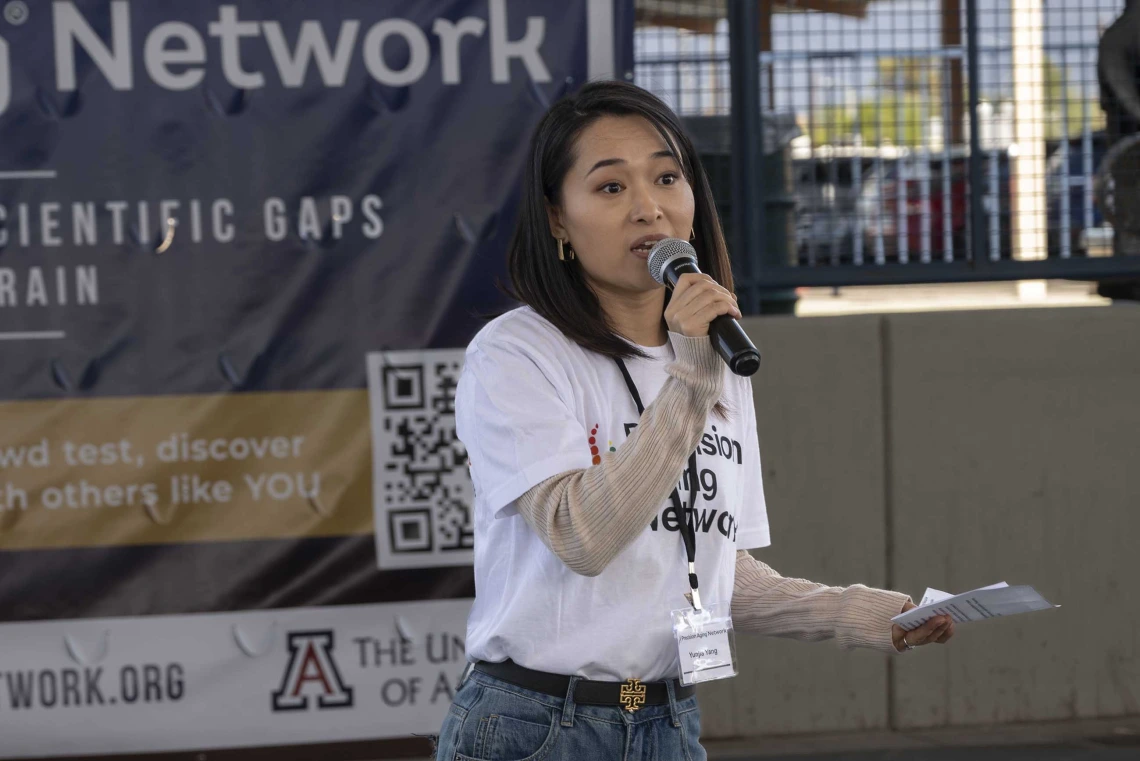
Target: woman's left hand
937 630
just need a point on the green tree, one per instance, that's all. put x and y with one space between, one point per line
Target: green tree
912 75
1065 112
909 96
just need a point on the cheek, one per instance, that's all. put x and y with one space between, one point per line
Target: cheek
590 221
586 209
687 205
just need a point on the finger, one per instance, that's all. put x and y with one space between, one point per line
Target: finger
692 279
709 307
915 638
702 293
939 634
697 323
947 633
922 633
698 298
936 623
696 290
925 633
705 315
687 281
702 301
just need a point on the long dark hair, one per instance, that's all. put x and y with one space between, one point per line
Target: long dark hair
557 290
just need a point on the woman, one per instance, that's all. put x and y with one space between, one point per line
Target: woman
580 412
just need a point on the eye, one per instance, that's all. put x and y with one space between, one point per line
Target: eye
611 188
669 178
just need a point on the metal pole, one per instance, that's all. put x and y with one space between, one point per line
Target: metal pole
747 143
977 209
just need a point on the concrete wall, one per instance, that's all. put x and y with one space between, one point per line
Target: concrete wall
951 450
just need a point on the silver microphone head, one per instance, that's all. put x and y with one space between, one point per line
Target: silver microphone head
665 251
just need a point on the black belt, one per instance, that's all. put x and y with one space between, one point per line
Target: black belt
630 694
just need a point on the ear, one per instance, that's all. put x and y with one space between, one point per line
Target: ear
554 217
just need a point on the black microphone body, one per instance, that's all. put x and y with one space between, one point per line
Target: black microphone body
728 338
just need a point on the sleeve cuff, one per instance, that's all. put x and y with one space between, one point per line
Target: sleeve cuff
697 365
889 604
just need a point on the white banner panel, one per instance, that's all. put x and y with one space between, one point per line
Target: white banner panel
276 677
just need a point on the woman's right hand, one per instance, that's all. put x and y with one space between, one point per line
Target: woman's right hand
696 301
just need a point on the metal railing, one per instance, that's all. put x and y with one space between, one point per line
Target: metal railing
937 139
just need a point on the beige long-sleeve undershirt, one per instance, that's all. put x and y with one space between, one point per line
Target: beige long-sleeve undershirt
573 513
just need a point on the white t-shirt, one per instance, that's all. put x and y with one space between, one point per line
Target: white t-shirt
531 404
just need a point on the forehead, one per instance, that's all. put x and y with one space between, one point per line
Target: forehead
632 138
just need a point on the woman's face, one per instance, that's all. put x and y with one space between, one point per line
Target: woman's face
624 192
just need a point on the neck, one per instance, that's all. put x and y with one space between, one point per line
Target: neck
636 317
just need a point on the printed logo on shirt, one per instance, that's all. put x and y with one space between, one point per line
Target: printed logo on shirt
711 444
594 449
704 519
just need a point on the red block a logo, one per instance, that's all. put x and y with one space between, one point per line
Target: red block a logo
311 672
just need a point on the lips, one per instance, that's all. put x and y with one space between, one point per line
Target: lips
643 245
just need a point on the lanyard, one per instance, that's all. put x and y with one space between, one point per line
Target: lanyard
686 515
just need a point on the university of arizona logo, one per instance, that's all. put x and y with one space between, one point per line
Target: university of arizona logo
311 672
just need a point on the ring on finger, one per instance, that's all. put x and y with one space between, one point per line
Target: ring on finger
906 644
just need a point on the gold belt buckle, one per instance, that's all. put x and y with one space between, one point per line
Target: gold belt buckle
632 694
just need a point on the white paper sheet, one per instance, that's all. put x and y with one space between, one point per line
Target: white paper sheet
994 601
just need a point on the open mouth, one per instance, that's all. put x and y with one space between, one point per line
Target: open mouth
643 246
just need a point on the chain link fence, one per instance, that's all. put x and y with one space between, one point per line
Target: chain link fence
868 107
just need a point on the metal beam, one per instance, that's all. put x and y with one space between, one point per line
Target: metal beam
952 38
702 16
977 207
747 143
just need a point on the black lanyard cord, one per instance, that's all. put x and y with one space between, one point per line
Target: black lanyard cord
687 516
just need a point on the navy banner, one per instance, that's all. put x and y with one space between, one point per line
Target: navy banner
241 247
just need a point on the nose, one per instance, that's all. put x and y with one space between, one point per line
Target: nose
643 204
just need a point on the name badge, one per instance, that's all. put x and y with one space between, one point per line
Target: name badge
706 643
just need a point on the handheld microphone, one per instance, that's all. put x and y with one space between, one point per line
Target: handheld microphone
668 260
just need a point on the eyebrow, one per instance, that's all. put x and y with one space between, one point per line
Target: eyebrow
610 162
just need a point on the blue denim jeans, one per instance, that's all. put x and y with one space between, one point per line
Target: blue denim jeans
493 720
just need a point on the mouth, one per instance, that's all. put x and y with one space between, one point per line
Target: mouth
642 246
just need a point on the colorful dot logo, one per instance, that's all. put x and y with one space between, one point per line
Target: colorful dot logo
594 445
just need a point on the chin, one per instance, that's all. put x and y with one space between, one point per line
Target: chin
648 285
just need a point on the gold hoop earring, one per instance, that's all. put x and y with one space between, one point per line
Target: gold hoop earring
570 252
561 252
693 235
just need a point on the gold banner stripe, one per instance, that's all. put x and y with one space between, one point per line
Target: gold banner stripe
172 469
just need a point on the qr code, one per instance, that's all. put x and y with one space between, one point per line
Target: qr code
421 488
